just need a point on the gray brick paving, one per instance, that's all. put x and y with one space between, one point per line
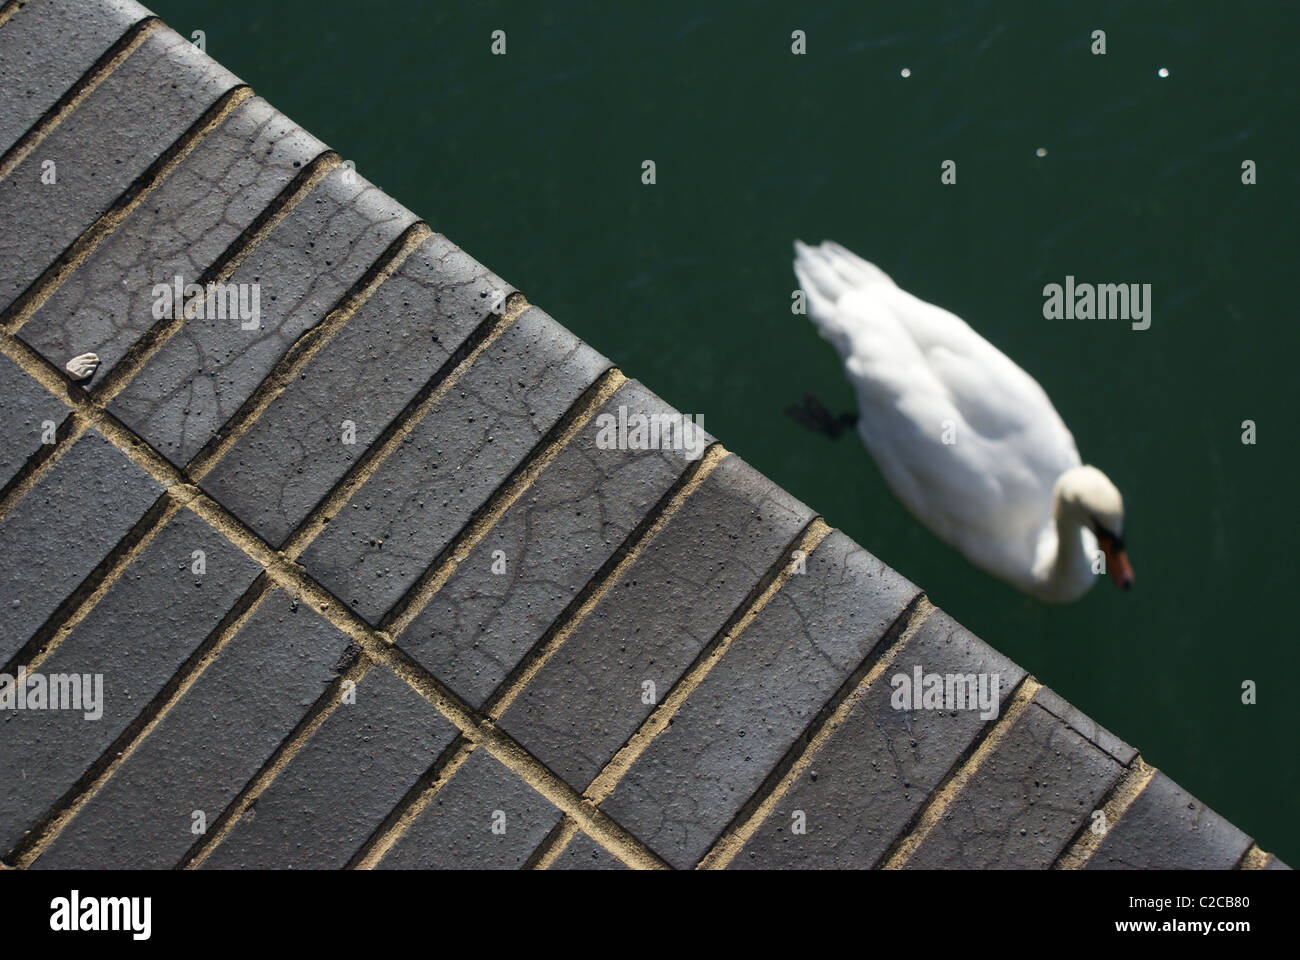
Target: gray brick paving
584 853
591 696
209 745
179 230
573 518
1166 828
136 639
338 789
366 375
484 818
881 764
1085 726
682 792
61 530
206 371
453 460
123 126
25 409
44 50
867 782
1025 803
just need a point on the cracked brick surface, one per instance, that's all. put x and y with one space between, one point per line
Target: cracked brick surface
26 409
206 371
548 546
881 764
180 230
735 727
1026 801
61 530
135 639
123 126
338 789
209 745
294 455
592 695
219 685
44 50
377 546
484 818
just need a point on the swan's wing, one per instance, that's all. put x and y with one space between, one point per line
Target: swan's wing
969 441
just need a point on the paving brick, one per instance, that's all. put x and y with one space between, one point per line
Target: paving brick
179 230
584 853
25 408
587 700
452 461
209 745
368 373
573 518
1021 808
111 138
1166 828
878 768
206 371
1025 803
136 637
1275 864
735 727
342 784
1085 726
61 530
46 47
484 818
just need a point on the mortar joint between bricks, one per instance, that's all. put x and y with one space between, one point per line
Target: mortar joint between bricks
314 718
768 586
8 9
1254 859
962 770
80 250
499 502
288 575
95 585
98 72
820 729
219 271
602 581
155 711
456 366
308 345
553 845
40 463
413 803
1113 807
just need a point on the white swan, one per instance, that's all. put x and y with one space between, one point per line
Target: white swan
966 439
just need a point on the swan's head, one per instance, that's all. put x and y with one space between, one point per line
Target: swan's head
1092 501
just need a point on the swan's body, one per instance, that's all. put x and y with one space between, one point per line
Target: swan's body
965 438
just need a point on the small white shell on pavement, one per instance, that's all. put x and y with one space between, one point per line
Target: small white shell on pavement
82 367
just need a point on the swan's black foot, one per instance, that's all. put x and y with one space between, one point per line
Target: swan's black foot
811 413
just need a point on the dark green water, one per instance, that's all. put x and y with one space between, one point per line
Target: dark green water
532 162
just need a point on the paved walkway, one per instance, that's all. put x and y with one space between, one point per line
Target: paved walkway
330 562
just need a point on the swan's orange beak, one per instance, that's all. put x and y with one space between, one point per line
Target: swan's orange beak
1121 571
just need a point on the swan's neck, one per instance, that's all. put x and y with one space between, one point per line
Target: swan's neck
1069 575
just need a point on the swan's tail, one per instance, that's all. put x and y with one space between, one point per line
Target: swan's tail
826 273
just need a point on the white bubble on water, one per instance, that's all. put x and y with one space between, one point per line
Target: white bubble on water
1040 152
905 72
1162 72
